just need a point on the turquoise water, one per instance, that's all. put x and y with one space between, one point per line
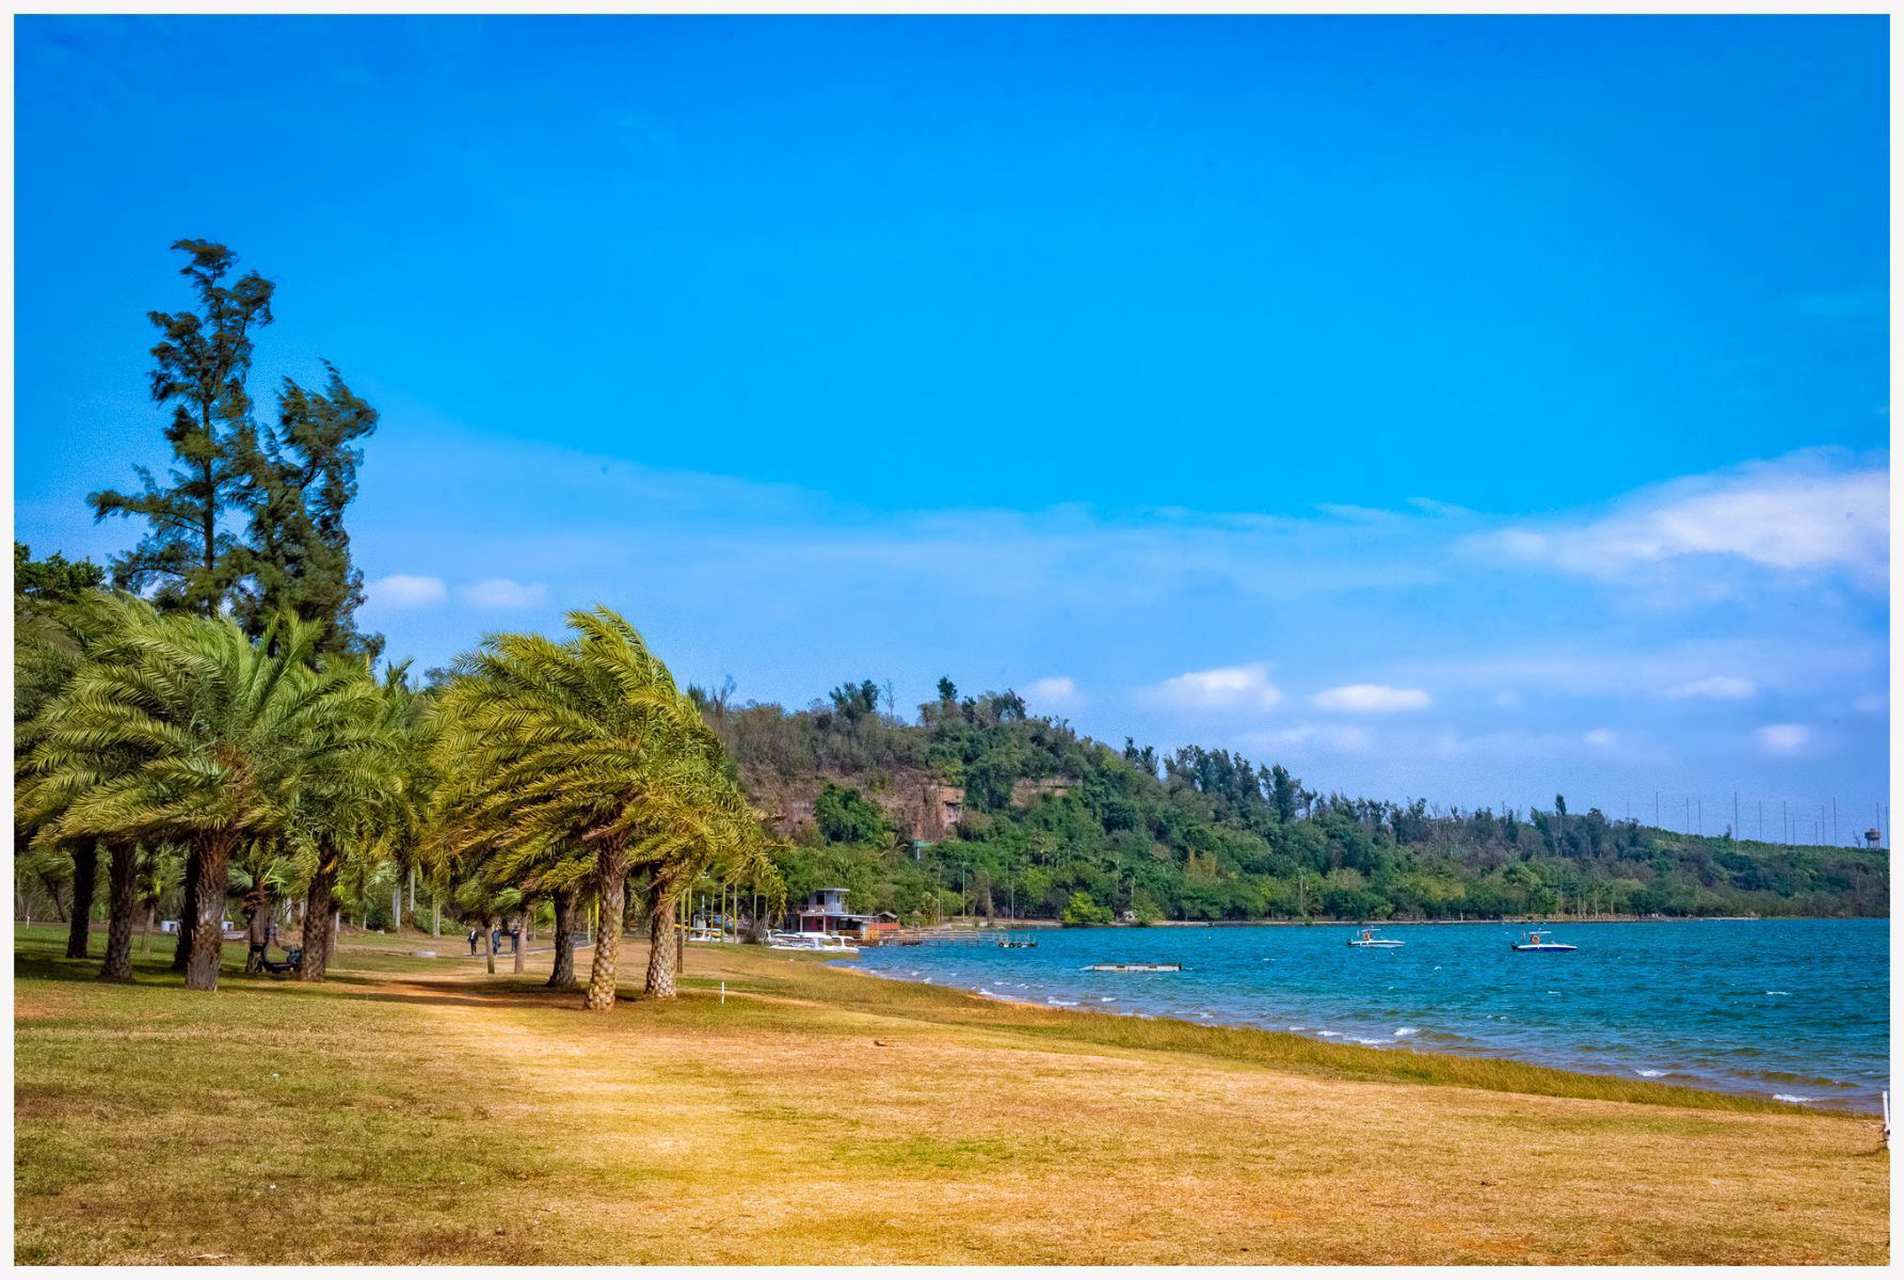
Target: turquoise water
1798 1009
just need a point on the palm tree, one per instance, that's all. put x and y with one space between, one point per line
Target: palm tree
182 728
122 903
707 823
50 645
351 819
585 743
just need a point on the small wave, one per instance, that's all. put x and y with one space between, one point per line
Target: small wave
1778 993
1648 1073
1792 1097
1298 1028
1406 1031
1328 1033
1105 999
1056 1001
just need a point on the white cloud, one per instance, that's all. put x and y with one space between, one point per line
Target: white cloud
1807 512
1371 699
1340 737
1784 739
1600 737
406 591
503 593
1509 698
1724 688
1872 704
1054 691
1221 688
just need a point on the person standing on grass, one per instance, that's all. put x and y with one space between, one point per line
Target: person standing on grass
495 938
472 939
515 936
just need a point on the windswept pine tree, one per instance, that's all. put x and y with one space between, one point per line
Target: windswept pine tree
303 477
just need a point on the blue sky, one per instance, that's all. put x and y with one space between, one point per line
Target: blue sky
1466 408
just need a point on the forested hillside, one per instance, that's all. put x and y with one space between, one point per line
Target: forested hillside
1093 832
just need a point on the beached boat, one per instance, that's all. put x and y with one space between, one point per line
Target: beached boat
1534 940
1132 968
1367 938
831 944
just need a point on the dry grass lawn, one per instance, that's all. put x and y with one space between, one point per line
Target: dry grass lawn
420 1111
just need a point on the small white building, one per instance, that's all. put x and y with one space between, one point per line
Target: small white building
825 912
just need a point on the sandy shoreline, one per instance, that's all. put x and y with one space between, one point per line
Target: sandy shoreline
1854 1106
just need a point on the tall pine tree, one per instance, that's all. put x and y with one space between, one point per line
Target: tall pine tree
186 559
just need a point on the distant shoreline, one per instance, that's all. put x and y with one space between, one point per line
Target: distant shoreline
980 925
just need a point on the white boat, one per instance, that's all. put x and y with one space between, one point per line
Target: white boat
831 944
1132 968
1534 941
1367 938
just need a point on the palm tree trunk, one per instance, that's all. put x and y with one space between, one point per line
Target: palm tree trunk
120 908
188 914
52 886
516 938
489 944
208 936
563 975
612 885
661 941
315 949
85 874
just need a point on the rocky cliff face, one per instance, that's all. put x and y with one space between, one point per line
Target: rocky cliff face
914 801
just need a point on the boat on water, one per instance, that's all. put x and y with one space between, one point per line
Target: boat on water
1017 942
1535 940
1367 938
1131 968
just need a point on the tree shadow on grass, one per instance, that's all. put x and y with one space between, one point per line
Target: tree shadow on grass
49 964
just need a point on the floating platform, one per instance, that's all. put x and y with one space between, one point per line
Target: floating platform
1132 968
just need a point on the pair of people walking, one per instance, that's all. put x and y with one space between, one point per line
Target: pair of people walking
495 938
